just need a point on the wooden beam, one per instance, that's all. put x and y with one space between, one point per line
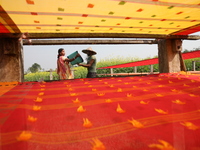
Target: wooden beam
110 35
101 35
76 42
10 35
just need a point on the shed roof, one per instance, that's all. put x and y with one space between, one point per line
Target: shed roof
160 17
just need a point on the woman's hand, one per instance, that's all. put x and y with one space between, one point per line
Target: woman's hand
77 55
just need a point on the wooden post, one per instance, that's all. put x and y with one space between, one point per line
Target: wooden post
183 67
109 35
111 72
168 54
11 64
193 66
151 68
135 69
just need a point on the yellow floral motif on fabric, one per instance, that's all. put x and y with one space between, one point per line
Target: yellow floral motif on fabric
145 90
70 89
38 99
36 108
193 95
108 101
178 102
159 95
119 90
161 111
174 90
143 102
163 146
189 125
81 109
94 90
136 123
24 136
100 94
32 119
119 109
161 86
97 144
76 101
41 93
86 123
73 94
129 95
111 85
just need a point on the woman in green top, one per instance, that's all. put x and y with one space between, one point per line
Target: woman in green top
91 62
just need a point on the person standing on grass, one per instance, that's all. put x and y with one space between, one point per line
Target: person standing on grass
91 62
63 68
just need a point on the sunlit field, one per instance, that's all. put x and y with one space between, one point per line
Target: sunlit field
80 72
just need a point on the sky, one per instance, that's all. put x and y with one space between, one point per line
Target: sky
46 56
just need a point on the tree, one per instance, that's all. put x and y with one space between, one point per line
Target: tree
194 49
185 51
35 68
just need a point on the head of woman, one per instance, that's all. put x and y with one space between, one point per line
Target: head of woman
61 52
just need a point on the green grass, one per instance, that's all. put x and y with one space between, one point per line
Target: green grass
80 72
40 76
188 64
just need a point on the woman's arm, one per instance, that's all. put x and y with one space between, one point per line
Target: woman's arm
87 65
69 60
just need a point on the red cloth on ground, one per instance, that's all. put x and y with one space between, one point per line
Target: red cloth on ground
167 106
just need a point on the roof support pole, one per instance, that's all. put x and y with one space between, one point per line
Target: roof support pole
193 66
111 72
135 69
169 55
151 68
11 56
